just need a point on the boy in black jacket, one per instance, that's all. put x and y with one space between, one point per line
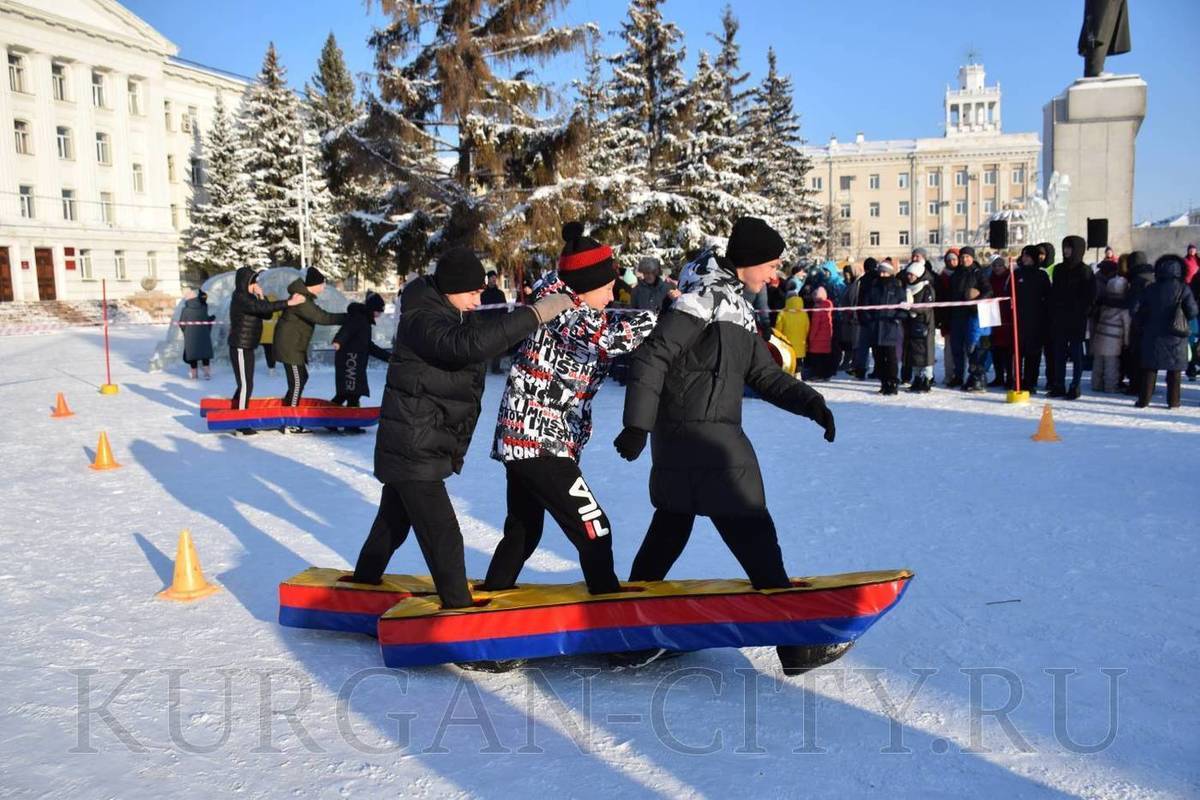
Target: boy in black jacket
247 310
430 407
353 346
686 389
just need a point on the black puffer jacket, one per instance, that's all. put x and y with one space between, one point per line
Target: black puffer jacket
884 327
1141 276
1033 302
355 346
1161 347
247 312
686 388
435 381
1072 292
919 341
962 280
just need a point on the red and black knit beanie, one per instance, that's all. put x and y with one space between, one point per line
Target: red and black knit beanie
585 264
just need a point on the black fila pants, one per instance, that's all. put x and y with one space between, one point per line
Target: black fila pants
555 485
242 361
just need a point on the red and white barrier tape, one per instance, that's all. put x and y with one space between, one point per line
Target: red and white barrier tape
55 327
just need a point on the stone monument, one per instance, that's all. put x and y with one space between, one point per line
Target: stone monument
1089 131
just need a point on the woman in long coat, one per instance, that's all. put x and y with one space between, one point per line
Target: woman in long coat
1162 314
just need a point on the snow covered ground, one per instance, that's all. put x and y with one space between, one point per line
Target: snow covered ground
1039 567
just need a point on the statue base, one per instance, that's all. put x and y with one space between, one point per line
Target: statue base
1088 133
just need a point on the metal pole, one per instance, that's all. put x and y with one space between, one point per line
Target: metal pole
303 199
108 387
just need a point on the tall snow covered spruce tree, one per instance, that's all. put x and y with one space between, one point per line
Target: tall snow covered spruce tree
456 131
224 231
275 131
781 168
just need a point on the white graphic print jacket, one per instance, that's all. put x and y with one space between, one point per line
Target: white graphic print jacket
546 409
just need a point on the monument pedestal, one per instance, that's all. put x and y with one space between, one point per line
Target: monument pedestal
1088 134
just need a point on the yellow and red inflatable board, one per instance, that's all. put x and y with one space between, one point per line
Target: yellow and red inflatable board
541 620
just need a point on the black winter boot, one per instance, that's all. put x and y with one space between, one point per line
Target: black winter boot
797 659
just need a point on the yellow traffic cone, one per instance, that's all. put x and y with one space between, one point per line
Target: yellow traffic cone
104 456
1045 431
188 583
61 409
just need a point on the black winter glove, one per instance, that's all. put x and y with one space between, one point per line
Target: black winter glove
819 413
630 443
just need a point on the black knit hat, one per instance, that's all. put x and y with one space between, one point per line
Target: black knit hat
458 270
753 242
966 251
870 265
585 264
374 303
313 277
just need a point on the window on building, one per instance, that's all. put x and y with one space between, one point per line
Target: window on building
107 212
85 265
168 117
904 208
171 176
174 216
66 145
873 238
902 181
134 89
989 177
844 212
1018 175
152 264
935 237
955 116
960 237
16 72
934 179
139 179
58 80
989 206
960 207
934 207
817 182
960 178
873 209
845 239
191 120
22 138
119 262
185 122
844 182
99 93
103 150
904 240
197 172
873 181
68 205
25 194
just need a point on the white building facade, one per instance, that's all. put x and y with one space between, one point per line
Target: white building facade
885 198
100 156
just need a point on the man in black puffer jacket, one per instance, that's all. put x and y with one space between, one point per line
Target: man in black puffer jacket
1033 298
430 407
685 393
1072 292
247 310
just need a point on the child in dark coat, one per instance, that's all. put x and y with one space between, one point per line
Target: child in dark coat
883 327
197 336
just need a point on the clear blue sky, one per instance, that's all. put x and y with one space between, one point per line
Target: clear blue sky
879 66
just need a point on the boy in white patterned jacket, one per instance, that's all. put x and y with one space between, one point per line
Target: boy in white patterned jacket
546 416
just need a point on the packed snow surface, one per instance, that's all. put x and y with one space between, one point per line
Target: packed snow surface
1047 647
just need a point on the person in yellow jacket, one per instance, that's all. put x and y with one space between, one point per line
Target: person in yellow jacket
267 340
792 325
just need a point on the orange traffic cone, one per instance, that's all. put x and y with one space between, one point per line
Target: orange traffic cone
104 456
61 409
188 583
1045 431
